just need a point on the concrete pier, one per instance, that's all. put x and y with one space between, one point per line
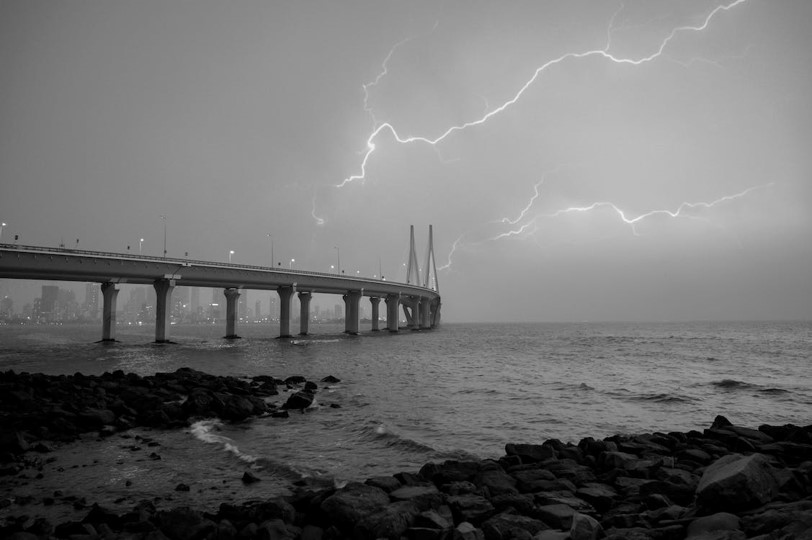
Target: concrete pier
392 309
109 294
425 313
232 301
163 292
375 301
304 312
285 294
352 301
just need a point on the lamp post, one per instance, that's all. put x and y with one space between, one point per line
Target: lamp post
290 265
230 253
271 237
338 259
164 218
2 226
140 242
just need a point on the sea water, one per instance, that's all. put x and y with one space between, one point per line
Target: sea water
457 392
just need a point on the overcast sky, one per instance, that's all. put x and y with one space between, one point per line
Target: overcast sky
240 119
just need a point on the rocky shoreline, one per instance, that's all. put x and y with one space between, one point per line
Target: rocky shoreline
725 482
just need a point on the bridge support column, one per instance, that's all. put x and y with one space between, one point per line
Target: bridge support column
163 293
413 315
425 314
109 293
232 300
285 294
392 305
304 312
352 301
375 301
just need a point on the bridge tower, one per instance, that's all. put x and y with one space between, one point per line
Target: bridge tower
421 312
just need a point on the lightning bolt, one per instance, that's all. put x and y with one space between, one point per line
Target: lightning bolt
603 53
681 211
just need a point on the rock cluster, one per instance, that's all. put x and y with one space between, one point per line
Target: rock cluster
725 483
37 407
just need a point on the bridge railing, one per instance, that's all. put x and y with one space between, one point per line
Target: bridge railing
189 262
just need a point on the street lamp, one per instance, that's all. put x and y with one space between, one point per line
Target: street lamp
290 266
164 218
338 259
230 253
271 237
2 226
140 242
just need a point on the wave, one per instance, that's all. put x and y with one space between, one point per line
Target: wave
206 431
733 384
661 398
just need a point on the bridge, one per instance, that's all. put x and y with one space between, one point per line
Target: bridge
420 302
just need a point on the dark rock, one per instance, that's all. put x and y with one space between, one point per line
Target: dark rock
182 487
508 526
585 528
388 522
530 453
532 480
310 386
431 519
600 496
722 521
249 477
349 505
449 471
423 497
471 508
467 531
558 516
295 380
496 481
386 483
329 379
737 482
280 414
184 524
299 400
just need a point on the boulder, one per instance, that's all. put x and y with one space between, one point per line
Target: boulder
585 528
556 515
386 483
299 400
423 497
508 526
533 480
496 481
185 524
701 528
467 531
471 508
530 453
329 379
388 522
736 482
349 505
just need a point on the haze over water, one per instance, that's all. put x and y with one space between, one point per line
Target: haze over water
459 391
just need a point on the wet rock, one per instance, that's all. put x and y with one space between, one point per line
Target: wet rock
386 483
507 526
249 477
496 481
472 508
294 380
184 524
533 480
388 522
182 487
467 531
423 497
530 453
737 482
299 400
585 528
349 505
329 379
558 516
703 527
310 386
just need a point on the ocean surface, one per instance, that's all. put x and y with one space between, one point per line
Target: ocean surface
457 392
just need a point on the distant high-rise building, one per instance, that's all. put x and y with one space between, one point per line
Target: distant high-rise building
194 300
91 306
242 304
6 306
47 304
258 310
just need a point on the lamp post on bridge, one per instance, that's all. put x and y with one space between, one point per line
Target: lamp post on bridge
230 253
272 259
338 259
140 242
2 226
290 265
164 218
